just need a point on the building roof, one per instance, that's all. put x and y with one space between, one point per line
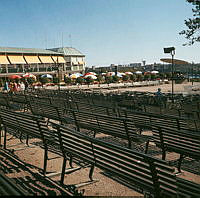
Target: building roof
67 51
27 50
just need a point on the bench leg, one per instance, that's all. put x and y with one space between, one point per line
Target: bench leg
63 170
20 137
27 140
129 144
4 143
163 154
146 147
45 161
1 135
48 121
179 162
91 172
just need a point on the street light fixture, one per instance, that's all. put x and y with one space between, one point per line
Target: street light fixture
171 50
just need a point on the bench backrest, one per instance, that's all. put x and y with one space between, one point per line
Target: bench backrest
22 122
76 144
148 173
180 141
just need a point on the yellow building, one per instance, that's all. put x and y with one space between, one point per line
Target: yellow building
58 61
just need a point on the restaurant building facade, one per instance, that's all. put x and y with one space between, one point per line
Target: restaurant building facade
55 61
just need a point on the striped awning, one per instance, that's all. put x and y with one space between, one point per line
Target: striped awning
16 59
3 60
80 62
32 59
58 59
75 63
46 59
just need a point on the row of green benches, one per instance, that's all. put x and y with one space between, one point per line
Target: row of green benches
149 174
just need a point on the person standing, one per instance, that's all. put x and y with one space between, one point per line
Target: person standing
5 87
26 85
15 88
22 86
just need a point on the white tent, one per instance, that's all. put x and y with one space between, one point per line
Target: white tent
138 72
154 72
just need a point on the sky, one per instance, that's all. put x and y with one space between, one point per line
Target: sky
106 31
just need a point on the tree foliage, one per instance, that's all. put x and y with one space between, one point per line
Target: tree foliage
115 79
79 80
67 80
192 34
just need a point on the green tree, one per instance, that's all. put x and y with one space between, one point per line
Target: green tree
192 33
44 80
67 80
31 80
79 80
140 77
109 79
89 80
56 80
115 79
147 76
99 79
153 76
133 77
125 77
161 75
168 75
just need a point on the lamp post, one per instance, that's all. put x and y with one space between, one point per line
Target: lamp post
58 71
192 72
171 50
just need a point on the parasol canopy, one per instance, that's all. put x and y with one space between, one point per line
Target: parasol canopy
138 72
120 74
91 76
154 72
28 75
46 76
110 74
76 75
103 74
14 77
128 73
90 73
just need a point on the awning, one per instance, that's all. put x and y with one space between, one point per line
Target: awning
176 61
32 59
3 60
16 59
46 59
75 63
80 62
58 59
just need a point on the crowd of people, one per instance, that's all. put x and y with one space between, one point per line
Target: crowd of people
13 87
